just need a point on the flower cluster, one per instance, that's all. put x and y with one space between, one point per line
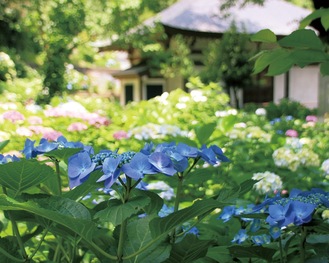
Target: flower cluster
281 212
154 131
325 167
165 158
242 131
294 155
269 182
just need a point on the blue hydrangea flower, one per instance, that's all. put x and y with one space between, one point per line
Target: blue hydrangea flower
28 150
240 237
280 215
255 225
186 151
275 232
303 212
45 146
138 167
162 163
212 155
165 210
111 171
79 168
261 239
227 213
8 158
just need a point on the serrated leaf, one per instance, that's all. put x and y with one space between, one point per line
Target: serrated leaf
70 219
140 236
265 36
204 132
156 202
159 226
3 144
188 250
24 174
117 211
252 252
302 38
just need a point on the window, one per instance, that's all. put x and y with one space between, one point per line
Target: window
153 90
129 93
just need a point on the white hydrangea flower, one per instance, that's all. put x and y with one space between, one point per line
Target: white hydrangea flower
260 112
325 166
269 182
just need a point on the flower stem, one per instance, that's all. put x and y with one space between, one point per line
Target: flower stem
302 244
124 223
15 230
58 176
177 201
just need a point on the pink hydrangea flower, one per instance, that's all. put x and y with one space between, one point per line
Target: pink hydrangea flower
77 126
34 120
291 133
13 116
311 118
119 135
51 135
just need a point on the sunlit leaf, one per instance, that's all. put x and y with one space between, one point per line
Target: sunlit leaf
265 35
24 174
302 38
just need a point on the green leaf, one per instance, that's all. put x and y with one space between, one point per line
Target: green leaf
117 211
63 154
158 226
325 20
302 38
303 57
140 236
265 36
226 123
314 15
188 250
204 132
268 58
281 65
72 215
24 174
317 238
155 204
252 252
324 68
220 252
3 144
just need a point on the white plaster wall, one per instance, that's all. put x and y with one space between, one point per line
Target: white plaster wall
279 87
304 85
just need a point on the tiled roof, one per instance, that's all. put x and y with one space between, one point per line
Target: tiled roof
205 16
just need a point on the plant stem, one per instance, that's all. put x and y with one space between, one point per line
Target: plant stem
302 244
15 229
58 176
281 250
39 244
6 254
177 201
124 223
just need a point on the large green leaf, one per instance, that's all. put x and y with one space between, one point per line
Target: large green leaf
204 132
324 68
304 57
302 38
267 58
188 250
3 144
156 202
117 211
280 65
139 236
265 35
159 226
63 211
220 254
21 175
252 252
322 13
